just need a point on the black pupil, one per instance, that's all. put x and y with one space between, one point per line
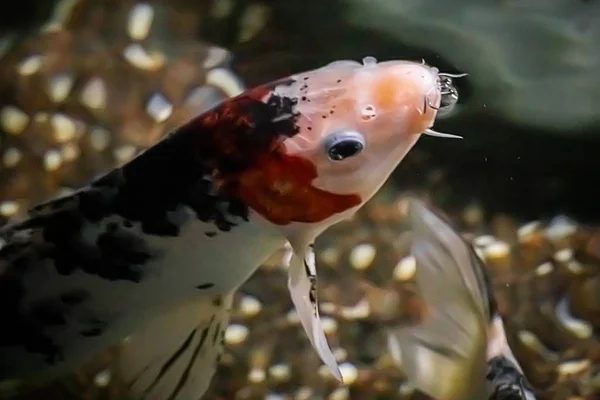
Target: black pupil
345 149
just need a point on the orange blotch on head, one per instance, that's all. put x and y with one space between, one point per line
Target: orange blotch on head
279 187
386 91
392 92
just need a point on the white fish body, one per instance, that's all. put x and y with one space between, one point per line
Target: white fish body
155 249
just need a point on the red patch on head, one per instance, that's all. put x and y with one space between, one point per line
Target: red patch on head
279 187
242 140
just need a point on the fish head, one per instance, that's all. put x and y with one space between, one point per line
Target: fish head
308 150
355 123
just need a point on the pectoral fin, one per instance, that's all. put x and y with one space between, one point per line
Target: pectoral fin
302 283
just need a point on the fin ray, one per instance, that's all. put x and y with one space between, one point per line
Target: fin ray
175 356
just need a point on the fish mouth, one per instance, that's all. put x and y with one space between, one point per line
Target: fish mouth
448 92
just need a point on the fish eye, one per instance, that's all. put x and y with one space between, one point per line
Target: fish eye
344 144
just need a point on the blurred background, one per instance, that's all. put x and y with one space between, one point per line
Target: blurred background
86 84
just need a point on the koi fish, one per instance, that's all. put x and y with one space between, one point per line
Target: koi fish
460 351
154 250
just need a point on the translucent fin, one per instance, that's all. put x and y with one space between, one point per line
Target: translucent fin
175 356
438 246
302 283
445 355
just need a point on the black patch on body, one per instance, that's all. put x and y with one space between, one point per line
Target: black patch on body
205 286
507 381
74 233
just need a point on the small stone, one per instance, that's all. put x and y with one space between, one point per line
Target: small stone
563 256
253 21
534 344
257 375
11 157
225 80
330 256
341 393
304 393
159 108
473 215
349 373
64 128
274 396
544 269
293 317
574 367
124 153
94 94
69 151
326 374
222 8
498 258
99 139
560 230
328 308
579 328
526 231
8 208
140 21
137 56
405 269
362 256
102 379
203 98
236 334
340 354
52 160
250 306
406 389
216 56
13 120
59 87
30 65
359 311
497 249
484 241
280 372
329 325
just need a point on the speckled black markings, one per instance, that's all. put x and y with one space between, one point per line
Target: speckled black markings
94 230
205 286
507 381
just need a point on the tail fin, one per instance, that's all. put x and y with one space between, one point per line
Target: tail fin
445 355
175 356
